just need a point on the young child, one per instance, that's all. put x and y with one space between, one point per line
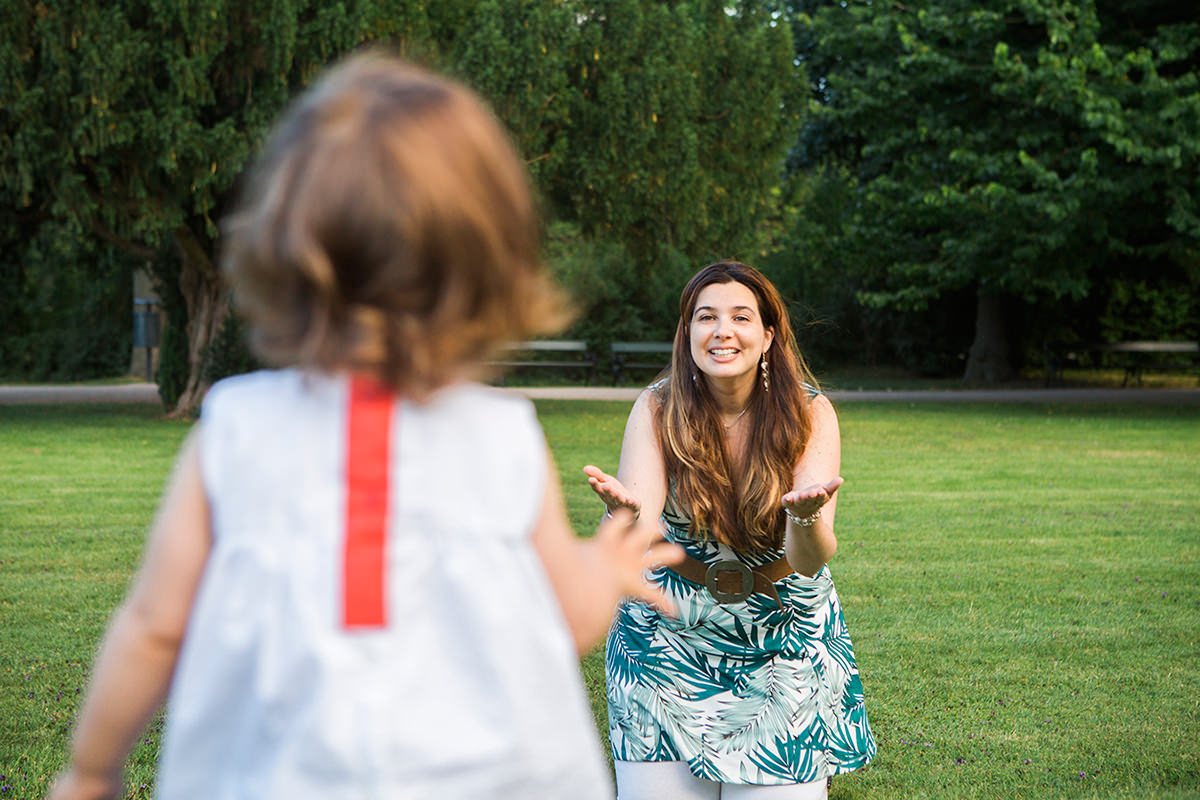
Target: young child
361 581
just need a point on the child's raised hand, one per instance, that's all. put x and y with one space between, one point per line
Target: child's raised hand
628 548
610 490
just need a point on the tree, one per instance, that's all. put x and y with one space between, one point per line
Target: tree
132 121
517 54
66 309
683 114
655 127
1016 152
1128 75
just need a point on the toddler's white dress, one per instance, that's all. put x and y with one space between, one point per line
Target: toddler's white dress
470 690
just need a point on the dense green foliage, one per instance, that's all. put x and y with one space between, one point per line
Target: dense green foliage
128 123
65 307
1014 173
687 110
654 128
1031 153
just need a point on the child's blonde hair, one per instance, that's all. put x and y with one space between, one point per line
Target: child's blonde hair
389 226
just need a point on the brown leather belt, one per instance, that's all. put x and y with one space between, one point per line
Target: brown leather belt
731 581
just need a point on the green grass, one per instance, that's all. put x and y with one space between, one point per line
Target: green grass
1022 583
80 486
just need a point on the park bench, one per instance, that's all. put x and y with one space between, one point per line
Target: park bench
1135 358
638 355
541 353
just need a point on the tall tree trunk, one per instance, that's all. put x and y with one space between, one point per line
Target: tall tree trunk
206 310
988 360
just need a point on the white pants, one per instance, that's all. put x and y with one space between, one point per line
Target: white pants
671 780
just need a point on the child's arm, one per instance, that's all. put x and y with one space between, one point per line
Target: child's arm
590 576
134 667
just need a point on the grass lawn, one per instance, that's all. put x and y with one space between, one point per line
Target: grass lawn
1022 583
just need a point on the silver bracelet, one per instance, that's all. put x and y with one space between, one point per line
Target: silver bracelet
608 513
803 522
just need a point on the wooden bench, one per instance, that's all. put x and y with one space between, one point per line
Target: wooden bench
638 355
1153 356
1134 357
531 354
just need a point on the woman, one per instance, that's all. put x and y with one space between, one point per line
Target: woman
752 689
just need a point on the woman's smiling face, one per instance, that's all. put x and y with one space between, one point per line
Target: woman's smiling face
726 331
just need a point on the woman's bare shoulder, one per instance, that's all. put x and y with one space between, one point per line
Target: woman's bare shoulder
650 399
820 404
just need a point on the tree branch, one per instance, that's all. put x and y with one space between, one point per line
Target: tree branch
140 250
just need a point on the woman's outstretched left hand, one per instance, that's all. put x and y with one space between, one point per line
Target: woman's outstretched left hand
806 502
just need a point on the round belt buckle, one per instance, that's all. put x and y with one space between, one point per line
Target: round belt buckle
731 565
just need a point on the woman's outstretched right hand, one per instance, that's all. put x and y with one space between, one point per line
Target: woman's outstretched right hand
610 491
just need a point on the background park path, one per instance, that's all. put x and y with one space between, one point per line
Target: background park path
148 393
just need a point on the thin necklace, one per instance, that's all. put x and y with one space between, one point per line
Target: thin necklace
733 421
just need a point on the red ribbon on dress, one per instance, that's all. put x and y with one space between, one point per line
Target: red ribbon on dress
368 440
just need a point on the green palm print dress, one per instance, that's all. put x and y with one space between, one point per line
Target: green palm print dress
746 692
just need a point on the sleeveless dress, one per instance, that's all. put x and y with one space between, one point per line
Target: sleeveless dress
746 692
471 688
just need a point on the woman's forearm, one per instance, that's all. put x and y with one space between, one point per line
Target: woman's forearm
808 548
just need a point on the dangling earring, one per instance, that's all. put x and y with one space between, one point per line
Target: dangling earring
766 374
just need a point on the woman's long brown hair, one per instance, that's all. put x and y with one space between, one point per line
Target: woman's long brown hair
742 508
